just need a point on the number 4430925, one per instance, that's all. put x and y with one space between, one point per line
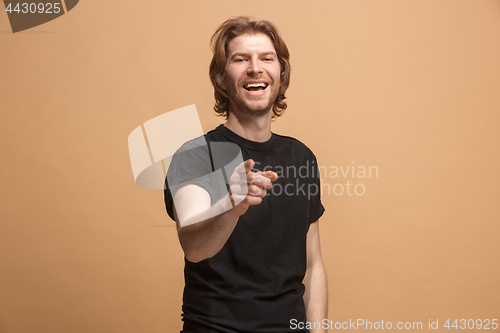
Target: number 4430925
48 8
471 324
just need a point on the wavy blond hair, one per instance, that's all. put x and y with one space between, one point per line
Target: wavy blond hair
231 29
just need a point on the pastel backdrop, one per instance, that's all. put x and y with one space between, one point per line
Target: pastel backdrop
409 88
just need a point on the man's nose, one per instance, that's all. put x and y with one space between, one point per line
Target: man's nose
254 67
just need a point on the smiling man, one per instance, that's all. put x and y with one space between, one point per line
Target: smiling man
252 77
257 266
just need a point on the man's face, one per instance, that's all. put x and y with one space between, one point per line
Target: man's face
252 74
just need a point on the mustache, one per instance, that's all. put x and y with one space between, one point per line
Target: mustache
245 80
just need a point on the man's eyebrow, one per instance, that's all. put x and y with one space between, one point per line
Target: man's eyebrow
238 54
243 54
269 53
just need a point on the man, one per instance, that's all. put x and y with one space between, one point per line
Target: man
256 265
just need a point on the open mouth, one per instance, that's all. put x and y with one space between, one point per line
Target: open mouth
255 86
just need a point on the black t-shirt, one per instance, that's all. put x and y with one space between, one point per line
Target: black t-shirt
254 283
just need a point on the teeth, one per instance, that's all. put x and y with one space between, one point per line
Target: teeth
255 85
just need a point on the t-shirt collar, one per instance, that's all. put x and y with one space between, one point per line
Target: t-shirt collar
254 145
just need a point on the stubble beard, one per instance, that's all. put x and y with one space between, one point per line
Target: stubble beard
238 104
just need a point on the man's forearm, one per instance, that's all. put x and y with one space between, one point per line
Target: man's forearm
316 295
206 237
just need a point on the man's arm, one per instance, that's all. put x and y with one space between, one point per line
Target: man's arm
316 294
203 235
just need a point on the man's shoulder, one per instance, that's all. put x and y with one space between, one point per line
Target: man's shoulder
215 135
295 143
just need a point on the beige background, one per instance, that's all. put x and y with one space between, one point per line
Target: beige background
411 87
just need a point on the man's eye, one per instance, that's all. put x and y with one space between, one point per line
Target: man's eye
268 59
238 60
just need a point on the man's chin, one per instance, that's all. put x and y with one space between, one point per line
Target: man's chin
256 111
255 108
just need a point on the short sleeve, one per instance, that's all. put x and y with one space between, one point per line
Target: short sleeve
206 164
316 207
191 164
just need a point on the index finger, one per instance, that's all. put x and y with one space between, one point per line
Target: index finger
249 164
273 176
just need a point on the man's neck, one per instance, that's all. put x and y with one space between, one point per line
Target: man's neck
256 129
